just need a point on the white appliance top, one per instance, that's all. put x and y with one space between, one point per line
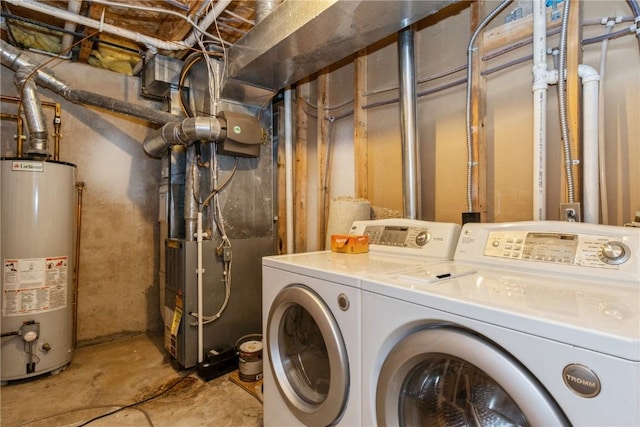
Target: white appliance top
570 282
394 244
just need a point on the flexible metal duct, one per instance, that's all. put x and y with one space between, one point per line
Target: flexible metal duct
15 59
33 111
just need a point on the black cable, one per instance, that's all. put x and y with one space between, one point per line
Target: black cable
10 334
132 405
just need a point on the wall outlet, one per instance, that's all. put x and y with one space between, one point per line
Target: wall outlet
570 212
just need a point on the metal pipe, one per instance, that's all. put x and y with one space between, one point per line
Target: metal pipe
38 144
76 270
408 123
184 133
288 164
57 123
19 130
15 59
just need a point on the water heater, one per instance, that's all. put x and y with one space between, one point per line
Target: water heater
38 227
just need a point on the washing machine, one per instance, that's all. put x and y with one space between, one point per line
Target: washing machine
312 319
533 323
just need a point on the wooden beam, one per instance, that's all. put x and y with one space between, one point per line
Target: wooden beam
478 117
360 123
322 144
86 47
300 171
513 32
281 183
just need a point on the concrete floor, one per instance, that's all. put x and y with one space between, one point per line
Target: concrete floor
103 378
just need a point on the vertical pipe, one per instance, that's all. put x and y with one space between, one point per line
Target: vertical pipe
33 111
191 191
408 123
539 110
200 290
590 88
57 122
76 270
73 6
288 156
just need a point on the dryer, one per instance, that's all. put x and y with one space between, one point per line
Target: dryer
533 323
312 319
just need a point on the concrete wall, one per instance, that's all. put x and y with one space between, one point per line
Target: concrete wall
118 291
441 46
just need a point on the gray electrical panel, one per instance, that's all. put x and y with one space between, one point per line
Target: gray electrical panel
243 313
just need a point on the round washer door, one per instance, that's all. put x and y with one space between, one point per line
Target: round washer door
447 376
307 356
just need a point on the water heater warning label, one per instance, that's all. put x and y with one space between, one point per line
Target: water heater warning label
34 285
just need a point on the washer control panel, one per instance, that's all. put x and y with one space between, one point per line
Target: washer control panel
560 248
609 252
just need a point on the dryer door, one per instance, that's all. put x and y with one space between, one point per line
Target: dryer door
447 376
307 356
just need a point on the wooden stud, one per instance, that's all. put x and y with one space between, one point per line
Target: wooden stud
478 117
322 145
360 147
574 94
300 171
281 184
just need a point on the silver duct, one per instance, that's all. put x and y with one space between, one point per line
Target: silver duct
36 124
14 59
408 123
184 133
264 8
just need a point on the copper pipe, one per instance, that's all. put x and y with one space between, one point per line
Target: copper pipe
57 123
76 270
19 131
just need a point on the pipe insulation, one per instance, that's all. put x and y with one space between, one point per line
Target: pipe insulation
14 59
408 123
184 133
33 111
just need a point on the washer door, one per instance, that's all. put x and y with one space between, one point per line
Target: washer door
308 356
449 377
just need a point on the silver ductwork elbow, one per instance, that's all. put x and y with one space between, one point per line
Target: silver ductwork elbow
185 133
38 143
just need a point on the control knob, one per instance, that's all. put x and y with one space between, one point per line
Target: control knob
422 238
614 253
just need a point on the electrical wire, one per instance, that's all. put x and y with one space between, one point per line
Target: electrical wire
132 405
158 10
470 51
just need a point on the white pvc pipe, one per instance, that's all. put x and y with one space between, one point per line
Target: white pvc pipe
200 292
67 39
590 89
540 75
151 42
288 161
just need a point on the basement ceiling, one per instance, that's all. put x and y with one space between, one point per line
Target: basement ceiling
269 44
31 27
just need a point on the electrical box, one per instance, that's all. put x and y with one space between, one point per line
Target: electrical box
243 137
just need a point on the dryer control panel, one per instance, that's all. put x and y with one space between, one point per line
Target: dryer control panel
588 249
410 237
